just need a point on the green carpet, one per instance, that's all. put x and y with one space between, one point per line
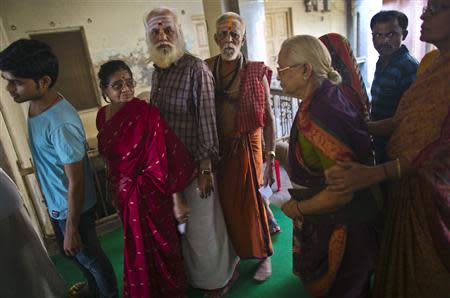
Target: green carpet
283 282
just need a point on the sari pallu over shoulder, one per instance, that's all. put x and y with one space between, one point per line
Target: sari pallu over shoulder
137 143
252 96
146 163
330 123
344 61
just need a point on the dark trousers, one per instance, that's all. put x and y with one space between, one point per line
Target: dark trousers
92 260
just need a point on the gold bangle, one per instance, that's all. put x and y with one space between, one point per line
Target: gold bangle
271 153
399 168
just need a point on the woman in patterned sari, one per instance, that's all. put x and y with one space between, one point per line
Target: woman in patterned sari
414 258
146 166
333 256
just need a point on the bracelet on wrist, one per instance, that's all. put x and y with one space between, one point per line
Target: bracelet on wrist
271 154
205 171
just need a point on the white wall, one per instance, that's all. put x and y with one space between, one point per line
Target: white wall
367 9
13 136
114 30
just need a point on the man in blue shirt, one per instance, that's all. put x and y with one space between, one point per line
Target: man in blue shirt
395 69
57 142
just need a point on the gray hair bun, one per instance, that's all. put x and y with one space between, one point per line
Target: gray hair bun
334 76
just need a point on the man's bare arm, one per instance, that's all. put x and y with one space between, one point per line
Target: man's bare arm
75 200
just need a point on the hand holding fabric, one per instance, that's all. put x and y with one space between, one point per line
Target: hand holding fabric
268 174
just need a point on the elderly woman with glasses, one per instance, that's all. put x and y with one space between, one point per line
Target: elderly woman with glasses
414 259
334 243
146 167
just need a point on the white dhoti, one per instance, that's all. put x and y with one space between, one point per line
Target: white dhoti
209 256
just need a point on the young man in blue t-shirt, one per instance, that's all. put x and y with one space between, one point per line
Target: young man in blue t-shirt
57 142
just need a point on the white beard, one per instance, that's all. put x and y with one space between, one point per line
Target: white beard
229 52
164 56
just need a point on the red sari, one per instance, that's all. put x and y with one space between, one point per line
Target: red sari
146 163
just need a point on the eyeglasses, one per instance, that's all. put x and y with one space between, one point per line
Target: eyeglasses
224 34
391 34
280 70
169 31
434 9
118 85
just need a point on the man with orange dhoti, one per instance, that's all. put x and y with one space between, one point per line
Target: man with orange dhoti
244 116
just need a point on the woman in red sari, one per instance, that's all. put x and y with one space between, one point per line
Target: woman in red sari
146 166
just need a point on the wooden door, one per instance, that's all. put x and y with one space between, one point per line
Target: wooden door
278 29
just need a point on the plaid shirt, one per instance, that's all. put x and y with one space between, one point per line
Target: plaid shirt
389 84
184 93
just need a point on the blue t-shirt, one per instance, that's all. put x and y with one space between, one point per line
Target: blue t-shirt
57 138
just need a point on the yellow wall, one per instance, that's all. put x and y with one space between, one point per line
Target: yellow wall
314 23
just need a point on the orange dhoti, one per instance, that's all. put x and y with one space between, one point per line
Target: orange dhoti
242 205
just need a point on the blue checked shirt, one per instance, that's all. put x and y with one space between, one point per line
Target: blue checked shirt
389 84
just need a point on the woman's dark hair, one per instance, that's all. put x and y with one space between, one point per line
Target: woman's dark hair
385 16
30 59
109 68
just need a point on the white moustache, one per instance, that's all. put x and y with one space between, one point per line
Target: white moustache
164 45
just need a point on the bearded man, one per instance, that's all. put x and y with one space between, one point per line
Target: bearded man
244 115
183 89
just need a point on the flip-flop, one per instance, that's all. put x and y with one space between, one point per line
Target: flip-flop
79 290
274 227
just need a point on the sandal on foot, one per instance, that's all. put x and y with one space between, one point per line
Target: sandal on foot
79 290
274 227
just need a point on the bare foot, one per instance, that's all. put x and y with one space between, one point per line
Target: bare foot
264 270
